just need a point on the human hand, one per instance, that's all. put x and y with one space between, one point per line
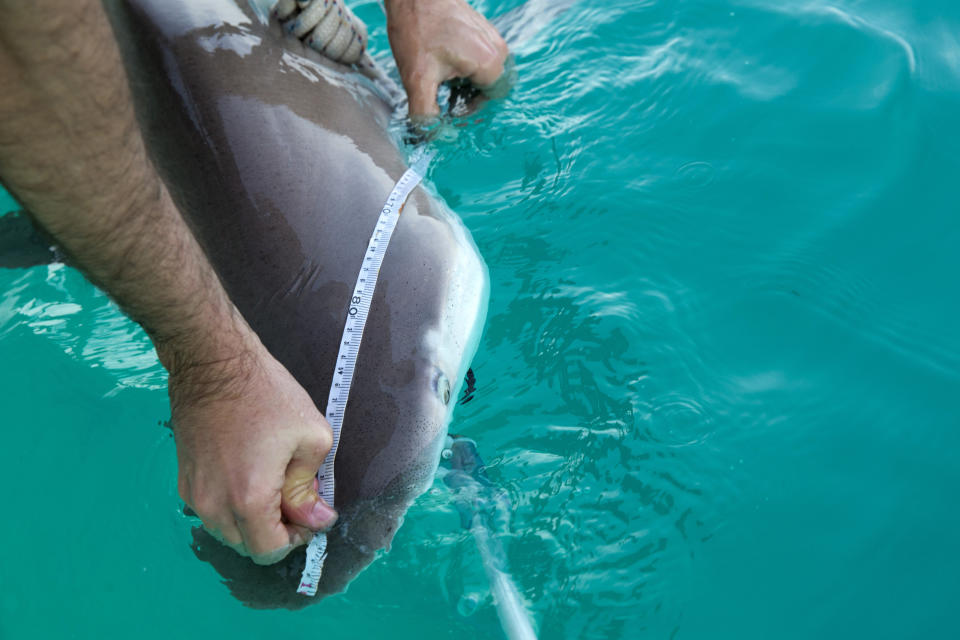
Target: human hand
437 40
249 439
249 444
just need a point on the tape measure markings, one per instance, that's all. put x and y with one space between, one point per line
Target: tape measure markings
349 348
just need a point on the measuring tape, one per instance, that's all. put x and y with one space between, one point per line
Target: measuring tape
350 346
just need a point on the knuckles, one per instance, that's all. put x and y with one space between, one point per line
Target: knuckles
249 504
324 442
206 508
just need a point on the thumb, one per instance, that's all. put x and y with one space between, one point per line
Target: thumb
299 502
422 95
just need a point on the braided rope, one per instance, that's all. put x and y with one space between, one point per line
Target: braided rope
328 26
331 28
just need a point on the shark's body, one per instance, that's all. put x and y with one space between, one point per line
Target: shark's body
281 162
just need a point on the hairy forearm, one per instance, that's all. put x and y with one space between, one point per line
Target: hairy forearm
249 438
71 152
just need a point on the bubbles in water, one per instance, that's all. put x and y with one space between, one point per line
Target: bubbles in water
469 603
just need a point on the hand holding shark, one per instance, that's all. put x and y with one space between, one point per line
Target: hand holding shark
249 438
438 40
249 443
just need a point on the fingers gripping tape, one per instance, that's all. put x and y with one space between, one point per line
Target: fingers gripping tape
354 325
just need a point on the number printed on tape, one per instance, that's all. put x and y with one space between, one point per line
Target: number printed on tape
350 347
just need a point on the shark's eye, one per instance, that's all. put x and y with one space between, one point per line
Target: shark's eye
442 386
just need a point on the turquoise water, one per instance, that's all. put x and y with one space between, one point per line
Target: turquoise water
718 379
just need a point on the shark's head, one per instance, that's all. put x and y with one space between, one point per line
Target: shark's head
281 162
410 370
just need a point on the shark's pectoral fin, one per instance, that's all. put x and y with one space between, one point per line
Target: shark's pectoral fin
22 244
469 387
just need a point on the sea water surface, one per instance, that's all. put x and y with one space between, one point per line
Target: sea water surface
719 380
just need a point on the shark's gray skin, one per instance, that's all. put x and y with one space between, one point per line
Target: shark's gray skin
281 161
